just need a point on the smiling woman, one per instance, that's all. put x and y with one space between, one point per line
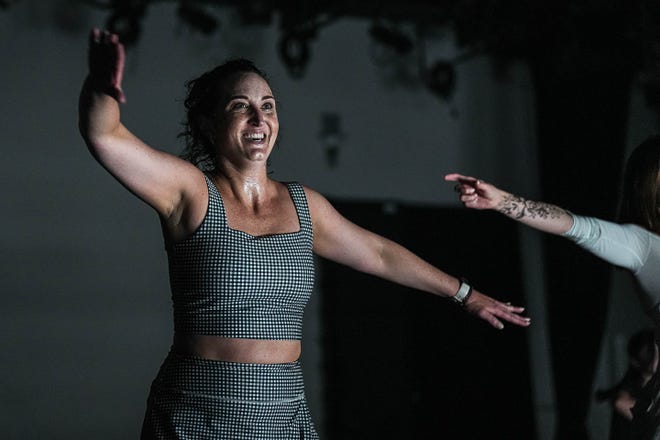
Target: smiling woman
241 251
211 101
248 120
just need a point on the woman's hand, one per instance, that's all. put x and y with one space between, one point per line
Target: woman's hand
493 311
106 63
475 193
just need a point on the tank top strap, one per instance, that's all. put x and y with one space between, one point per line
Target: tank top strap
302 209
216 209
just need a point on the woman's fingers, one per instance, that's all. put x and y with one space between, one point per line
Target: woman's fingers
469 198
106 62
456 177
494 312
511 314
493 321
462 187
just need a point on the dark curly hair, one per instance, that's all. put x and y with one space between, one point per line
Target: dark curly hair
639 196
203 96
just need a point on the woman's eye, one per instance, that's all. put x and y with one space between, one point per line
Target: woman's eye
268 106
239 106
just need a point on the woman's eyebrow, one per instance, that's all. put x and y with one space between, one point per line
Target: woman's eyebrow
265 97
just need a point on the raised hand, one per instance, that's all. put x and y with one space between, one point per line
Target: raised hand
106 63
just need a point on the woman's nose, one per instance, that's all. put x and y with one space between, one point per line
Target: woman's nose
256 116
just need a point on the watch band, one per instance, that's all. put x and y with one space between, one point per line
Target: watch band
464 292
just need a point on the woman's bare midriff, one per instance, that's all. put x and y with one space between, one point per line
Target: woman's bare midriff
250 351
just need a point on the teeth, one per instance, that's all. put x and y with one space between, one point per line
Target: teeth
255 136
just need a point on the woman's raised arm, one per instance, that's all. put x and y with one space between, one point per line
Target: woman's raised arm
164 181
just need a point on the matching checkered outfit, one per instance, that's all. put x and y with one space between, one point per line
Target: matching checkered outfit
229 283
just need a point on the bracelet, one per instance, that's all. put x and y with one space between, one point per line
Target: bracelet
464 292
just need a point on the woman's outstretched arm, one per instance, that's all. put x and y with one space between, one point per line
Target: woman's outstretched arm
477 194
628 246
342 241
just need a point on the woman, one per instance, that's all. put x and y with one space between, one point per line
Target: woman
633 245
240 248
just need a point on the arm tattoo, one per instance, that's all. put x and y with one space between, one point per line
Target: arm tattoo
516 207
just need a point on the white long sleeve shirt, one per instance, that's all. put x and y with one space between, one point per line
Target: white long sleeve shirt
629 246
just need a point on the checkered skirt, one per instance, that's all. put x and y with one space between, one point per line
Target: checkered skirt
195 398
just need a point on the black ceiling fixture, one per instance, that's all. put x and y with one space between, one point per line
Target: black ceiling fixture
503 30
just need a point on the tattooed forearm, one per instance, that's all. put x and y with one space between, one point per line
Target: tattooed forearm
517 207
512 206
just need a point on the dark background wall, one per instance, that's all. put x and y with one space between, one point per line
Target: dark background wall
400 364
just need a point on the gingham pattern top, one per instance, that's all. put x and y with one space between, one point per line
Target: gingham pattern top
229 283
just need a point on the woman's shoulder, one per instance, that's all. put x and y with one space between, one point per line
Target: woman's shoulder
317 203
314 198
309 193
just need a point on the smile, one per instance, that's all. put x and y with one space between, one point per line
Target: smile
254 136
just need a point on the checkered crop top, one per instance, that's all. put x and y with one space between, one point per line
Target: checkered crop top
229 283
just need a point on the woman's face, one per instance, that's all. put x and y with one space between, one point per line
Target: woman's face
246 126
